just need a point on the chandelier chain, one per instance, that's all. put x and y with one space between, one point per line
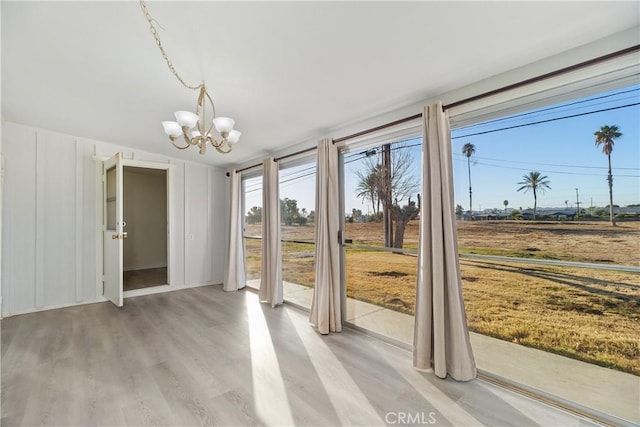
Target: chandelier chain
156 36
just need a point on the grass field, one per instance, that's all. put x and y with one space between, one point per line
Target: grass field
590 315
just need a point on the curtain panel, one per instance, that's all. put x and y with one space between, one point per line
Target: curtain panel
234 272
271 269
441 337
326 310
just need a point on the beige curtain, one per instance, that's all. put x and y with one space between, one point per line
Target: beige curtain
441 338
234 273
326 307
271 272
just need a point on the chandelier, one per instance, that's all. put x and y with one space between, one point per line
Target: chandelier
192 126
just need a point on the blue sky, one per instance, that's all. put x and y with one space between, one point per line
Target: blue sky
564 150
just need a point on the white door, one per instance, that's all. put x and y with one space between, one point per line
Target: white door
113 229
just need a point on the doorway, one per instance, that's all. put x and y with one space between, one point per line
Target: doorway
145 211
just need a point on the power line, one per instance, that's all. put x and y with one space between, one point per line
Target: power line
361 155
543 164
510 118
545 121
558 172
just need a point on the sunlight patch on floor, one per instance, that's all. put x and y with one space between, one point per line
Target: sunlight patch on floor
269 392
342 390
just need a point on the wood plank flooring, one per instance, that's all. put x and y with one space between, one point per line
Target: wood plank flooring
146 278
201 356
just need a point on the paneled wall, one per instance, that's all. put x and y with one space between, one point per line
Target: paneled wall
51 241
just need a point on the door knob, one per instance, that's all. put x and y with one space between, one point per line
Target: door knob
125 235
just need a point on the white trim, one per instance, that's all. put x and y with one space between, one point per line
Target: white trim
402 131
39 226
139 163
55 307
210 236
612 74
79 222
100 227
99 224
186 221
1 216
298 160
171 226
164 288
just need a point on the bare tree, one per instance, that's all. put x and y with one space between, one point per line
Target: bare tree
393 182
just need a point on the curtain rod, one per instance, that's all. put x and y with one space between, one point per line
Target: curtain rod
377 128
476 97
277 159
499 90
544 76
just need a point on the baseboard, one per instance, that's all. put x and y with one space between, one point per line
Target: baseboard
133 293
164 288
54 307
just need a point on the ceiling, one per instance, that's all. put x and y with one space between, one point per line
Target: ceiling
286 71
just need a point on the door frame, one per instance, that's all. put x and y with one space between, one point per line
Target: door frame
113 236
170 169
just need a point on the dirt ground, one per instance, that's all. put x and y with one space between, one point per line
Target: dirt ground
595 242
581 241
517 302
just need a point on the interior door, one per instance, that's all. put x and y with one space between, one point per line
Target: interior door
113 229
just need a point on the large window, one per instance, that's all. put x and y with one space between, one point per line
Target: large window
544 270
252 207
297 203
297 222
542 264
381 209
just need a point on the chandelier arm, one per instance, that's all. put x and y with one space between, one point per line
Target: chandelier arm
220 150
173 141
213 106
202 110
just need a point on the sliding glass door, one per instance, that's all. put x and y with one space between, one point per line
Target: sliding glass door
381 200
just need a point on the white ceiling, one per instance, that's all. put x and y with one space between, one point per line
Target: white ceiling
286 71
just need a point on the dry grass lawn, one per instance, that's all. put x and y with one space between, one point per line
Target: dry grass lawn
590 315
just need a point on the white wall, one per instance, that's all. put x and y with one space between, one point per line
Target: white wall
50 241
145 212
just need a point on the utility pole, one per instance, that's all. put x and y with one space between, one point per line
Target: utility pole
386 184
577 204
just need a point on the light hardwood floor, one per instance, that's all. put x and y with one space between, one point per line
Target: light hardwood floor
205 357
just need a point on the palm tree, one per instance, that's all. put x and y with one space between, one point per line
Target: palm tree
534 182
605 136
369 188
468 150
